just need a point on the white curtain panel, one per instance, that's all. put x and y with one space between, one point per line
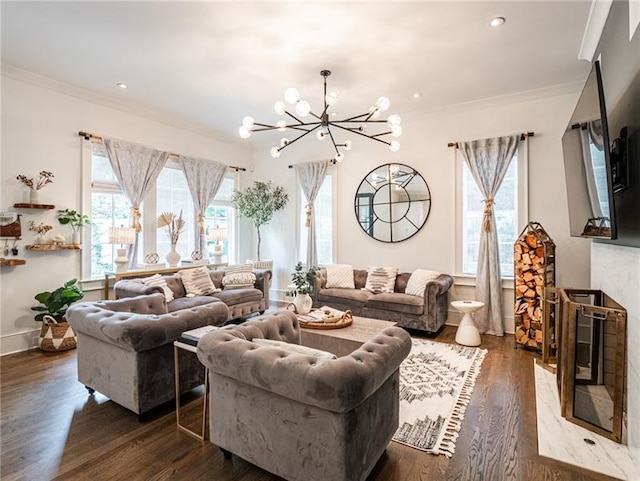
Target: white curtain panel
136 167
311 175
488 161
204 178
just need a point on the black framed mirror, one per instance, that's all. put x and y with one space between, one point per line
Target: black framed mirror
392 203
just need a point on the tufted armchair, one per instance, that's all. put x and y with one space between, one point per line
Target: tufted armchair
125 348
302 417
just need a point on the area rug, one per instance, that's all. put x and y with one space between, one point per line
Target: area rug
436 382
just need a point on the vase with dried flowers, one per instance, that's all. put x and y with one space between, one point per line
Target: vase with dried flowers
174 227
35 185
40 230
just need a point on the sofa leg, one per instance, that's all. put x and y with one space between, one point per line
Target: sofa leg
225 453
91 390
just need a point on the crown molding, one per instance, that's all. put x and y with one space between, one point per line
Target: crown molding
15 73
593 29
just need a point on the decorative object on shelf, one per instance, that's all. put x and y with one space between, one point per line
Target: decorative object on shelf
58 239
196 256
40 230
35 185
173 257
75 220
175 226
534 271
217 235
56 334
323 123
303 282
123 236
392 203
259 202
151 258
10 225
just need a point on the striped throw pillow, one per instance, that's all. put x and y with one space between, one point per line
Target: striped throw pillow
417 283
340 276
197 282
157 280
381 279
238 276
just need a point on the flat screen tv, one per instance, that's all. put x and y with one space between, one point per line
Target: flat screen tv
587 164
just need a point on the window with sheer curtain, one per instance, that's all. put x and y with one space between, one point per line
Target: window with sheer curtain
324 212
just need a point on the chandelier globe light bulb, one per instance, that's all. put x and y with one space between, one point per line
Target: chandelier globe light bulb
375 115
394 146
275 152
394 120
383 104
282 125
348 145
291 95
396 131
284 141
244 132
339 157
303 108
279 107
331 98
321 134
248 122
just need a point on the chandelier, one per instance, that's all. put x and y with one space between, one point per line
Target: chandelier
323 125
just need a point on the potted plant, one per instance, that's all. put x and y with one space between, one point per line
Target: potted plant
259 202
303 280
56 334
75 220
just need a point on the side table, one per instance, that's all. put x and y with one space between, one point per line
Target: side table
188 342
467 334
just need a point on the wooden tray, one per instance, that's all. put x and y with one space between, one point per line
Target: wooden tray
329 323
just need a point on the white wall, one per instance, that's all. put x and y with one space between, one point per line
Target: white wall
424 147
39 132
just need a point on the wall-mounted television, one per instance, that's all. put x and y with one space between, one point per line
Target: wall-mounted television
591 176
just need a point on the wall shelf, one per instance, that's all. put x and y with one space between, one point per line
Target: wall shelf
11 262
52 247
27 205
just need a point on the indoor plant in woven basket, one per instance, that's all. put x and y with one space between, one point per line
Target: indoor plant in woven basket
56 334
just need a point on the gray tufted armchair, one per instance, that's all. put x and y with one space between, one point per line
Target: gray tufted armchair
302 417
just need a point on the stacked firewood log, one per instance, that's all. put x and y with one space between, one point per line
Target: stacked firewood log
534 270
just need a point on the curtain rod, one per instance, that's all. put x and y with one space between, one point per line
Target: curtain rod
523 135
89 136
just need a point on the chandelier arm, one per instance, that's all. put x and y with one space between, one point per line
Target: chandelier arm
381 133
293 117
364 135
335 146
353 119
298 138
350 121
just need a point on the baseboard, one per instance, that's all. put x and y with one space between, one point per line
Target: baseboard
18 342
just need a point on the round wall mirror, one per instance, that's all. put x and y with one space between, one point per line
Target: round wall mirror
392 203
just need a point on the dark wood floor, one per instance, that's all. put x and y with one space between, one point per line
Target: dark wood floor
51 429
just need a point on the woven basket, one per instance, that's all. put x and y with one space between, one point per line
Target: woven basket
56 336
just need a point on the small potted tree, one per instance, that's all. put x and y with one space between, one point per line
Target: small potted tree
56 334
259 202
75 220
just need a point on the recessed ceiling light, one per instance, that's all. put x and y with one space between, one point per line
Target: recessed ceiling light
497 21
122 86
417 95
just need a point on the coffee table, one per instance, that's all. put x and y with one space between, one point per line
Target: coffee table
344 341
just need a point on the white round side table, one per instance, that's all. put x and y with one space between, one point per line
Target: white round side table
467 334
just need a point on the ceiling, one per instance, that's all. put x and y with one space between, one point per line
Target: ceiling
211 64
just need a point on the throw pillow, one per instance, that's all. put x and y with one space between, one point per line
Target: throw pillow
381 279
238 276
418 280
340 276
157 280
294 348
197 282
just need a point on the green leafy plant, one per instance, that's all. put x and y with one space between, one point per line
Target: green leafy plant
73 218
259 202
55 303
304 280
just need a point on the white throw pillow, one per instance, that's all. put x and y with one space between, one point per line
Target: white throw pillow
197 282
417 283
340 276
238 276
157 280
381 279
294 348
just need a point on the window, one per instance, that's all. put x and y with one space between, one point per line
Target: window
324 216
221 214
509 211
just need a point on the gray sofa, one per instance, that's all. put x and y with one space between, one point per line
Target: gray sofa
298 416
241 302
427 313
125 348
